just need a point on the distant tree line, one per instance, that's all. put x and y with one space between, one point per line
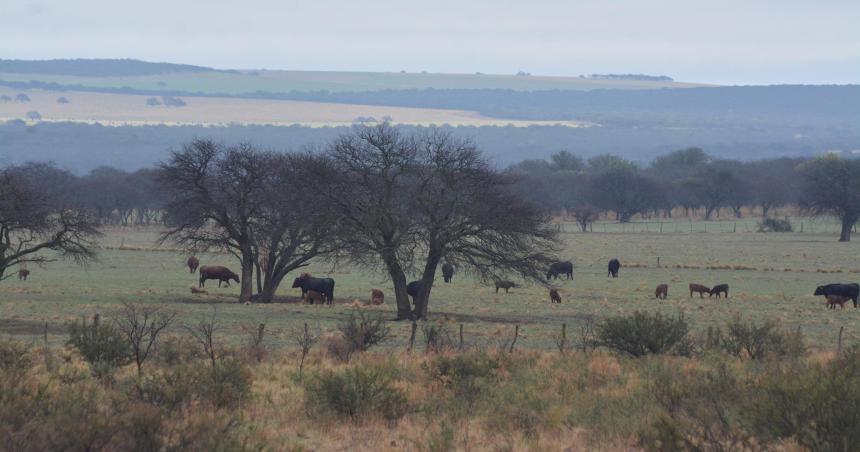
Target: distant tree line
642 77
95 67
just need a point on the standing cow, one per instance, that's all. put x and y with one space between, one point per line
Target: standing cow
614 265
447 271
507 285
222 274
851 291
718 289
325 286
554 296
700 289
662 291
23 274
560 268
192 263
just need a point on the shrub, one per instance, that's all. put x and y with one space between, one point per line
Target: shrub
775 225
437 338
357 392
359 332
758 341
468 376
225 385
101 345
14 355
817 406
642 334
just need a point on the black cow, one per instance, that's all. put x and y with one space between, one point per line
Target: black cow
718 289
324 286
851 291
447 272
560 268
614 265
413 288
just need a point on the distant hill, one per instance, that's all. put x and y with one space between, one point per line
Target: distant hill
95 68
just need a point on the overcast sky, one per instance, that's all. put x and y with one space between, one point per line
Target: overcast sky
717 41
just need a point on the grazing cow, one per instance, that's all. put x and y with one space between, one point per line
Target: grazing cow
560 268
447 272
222 274
614 265
325 286
662 291
700 289
851 291
504 285
23 274
312 295
377 297
192 264
554 297
718 289
833 300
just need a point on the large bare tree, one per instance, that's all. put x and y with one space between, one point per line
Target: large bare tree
37 225
831 187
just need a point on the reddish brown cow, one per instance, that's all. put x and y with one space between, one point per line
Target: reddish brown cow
833 300
700 289
554 296
312 295
193 263
23 274
662 291
222 274
377 297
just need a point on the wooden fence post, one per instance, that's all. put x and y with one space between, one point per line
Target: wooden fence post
516 334
412 337
461 337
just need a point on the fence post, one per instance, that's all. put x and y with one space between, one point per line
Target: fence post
461 337
661 227
516 335
839 341
412 337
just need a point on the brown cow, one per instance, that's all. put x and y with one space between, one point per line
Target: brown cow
222 274
192 264
504 285
377 297
198 291
662 291
833 300
554 296
699 288
313 295
23 274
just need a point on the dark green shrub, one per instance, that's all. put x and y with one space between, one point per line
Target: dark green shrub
758 341
469 376
357 392
643 334
775 225
14 355
225 385
100 344
816 406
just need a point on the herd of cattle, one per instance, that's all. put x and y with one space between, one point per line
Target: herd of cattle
322 289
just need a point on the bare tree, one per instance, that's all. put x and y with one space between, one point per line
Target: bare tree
831 187
36 220
467 213
141 325
305 339
215 195
370 185
204 333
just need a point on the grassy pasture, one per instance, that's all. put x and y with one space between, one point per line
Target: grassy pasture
126 109
244 82
771 276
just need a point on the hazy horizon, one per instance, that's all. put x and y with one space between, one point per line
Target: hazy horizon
732 42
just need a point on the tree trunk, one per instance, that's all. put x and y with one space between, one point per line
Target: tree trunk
847 224
398 278
764 210
427 277
246 280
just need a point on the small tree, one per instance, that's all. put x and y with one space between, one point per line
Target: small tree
21 97
34 116
141 325
831 187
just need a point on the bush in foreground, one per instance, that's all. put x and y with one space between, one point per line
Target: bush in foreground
358 392
642 334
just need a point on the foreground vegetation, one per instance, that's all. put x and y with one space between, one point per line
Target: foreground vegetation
736 388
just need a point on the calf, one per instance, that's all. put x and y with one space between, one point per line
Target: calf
700 289
192 264
614 265
23 274
851 291
554 296
312 295
447 272
662 291
377 297
718 289
504 285
222 274
833 300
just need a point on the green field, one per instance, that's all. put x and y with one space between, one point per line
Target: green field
772 276
237 83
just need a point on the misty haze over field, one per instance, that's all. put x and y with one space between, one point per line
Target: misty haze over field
725 42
